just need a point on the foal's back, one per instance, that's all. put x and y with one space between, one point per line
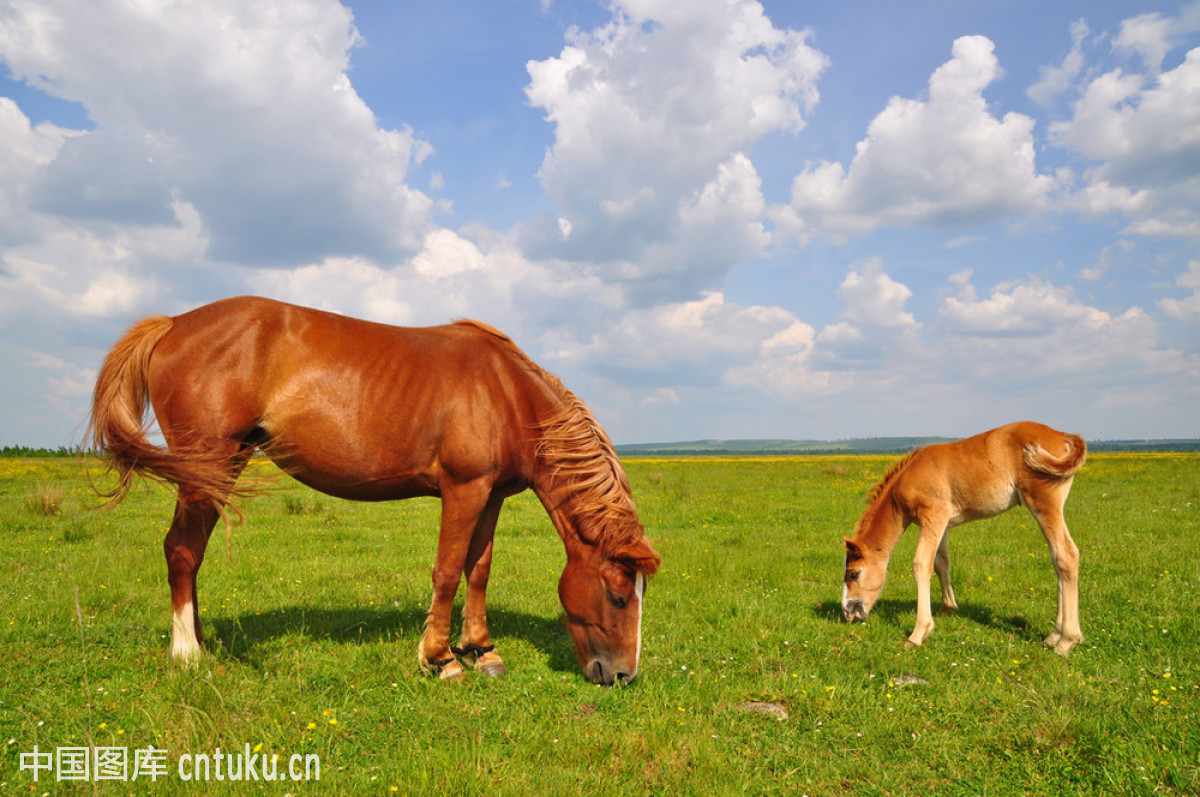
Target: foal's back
979 476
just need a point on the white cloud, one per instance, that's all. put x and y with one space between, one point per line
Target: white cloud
1188 308
854 352
945 161
474 273
1032 309
70 381
684 343
1140 133
1027 349
446 253
664 395
1152 35
25 149
654 114
110 271
348 285
244 110
874 299
1027 332
1056 80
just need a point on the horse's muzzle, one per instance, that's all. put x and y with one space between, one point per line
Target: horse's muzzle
601 672
854 611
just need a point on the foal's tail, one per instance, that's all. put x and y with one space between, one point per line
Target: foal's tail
1062 466
117 428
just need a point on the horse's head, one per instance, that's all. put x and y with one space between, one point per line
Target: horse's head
602 595
866 570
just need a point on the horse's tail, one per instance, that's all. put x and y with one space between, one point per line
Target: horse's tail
1062 466
117 427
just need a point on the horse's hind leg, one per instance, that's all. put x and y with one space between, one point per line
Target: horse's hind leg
195 517
475 645
1046 506
941 566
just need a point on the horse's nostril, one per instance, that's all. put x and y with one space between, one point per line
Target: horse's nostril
595 672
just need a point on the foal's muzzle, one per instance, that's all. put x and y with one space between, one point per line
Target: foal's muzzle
854 611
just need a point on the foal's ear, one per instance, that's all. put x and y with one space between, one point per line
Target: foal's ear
639 557
852 548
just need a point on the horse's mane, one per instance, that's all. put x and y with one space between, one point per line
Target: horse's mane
572 443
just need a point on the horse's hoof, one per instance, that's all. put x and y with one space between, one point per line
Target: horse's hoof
496 670
445 669
451 672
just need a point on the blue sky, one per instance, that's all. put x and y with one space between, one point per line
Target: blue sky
712 219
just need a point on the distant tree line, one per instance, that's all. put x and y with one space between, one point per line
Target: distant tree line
26 451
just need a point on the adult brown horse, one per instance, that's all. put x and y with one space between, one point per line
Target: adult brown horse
371 412
942 486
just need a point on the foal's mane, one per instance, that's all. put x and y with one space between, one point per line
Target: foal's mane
578 451
890 476
877 492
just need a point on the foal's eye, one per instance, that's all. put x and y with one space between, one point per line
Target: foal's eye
852 575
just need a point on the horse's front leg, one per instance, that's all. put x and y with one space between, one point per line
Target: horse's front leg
475 646
462 505
932 531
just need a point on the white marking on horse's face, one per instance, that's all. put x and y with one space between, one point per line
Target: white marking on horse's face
184 647
639 588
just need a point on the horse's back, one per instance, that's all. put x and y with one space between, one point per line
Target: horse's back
352 407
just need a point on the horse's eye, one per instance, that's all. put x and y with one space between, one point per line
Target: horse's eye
617 600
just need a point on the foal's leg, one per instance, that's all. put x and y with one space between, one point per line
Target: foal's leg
933 531
462 505
1045 504
941 566
184 549
475 644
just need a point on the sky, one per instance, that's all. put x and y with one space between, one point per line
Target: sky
716 219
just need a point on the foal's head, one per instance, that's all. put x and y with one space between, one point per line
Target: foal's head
602 595
866 570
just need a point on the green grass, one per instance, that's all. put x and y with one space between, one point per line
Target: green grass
314 613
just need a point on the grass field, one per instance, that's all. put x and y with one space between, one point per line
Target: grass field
313 617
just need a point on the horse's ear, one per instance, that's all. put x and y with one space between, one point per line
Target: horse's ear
639 557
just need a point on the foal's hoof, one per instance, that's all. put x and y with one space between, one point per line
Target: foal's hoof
495 670
1061 644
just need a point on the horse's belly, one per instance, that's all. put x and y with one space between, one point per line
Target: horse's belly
377 488
359 469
